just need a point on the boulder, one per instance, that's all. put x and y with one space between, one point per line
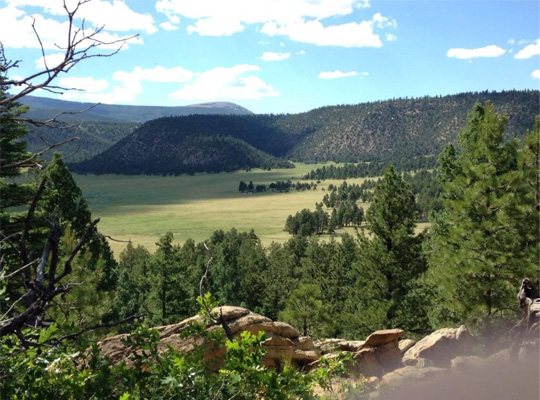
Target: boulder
381 337
327 346
405 345
411 375
283 343
441 346
388 356
365 364
465 363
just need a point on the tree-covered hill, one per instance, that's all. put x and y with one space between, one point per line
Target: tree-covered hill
94 138
387 131
406 128
101 126
170 154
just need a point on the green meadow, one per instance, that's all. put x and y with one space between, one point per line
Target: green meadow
141 208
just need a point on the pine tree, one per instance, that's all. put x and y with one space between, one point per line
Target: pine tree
392 254
486 238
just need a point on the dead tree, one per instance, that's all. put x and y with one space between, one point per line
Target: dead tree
43 276
81 44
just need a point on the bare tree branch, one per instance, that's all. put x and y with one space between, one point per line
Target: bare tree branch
72 336
221 320
31 162
19 270
80 46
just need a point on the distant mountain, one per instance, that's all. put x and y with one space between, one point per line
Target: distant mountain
43 108
386 131
104 125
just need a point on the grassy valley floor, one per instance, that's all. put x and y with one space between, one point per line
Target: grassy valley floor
141 208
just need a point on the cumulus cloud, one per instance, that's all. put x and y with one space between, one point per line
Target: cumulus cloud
352 34
168 26
391 37
130 84
237 82
215 27
529 51
87 84
226 83
300 20
336 74
115 15
467 54
536 74
270 56
16 23
52 60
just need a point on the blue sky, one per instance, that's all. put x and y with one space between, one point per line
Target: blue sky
283 56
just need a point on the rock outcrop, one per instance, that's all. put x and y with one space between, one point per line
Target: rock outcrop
283 343
441 346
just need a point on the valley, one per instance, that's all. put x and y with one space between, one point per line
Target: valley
141 208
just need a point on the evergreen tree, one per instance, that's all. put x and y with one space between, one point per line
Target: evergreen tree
242 187
486 239
305 310
392 254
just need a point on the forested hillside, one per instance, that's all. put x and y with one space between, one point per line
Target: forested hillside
388 131
94 138
101 125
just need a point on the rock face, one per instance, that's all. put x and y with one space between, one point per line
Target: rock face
283 343
441 346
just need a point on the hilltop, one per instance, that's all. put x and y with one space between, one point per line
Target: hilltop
387 131
102 125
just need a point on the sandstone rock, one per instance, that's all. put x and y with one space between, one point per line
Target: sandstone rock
441 346
388 356
409 375
378 338
283 343
405 345
327 346
366 365
304 343
467 362
421 363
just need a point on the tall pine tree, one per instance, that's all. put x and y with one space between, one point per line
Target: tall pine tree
486 238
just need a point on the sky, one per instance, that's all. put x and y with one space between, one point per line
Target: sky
279 56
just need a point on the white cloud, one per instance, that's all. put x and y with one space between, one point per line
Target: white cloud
301 52
16 31
261 11
168 26
131 84
384 22
511 41
156 74
336 74
87 84
270 56
466 54
52 60
536 74
529 51
215 27
391 37
115 15
226 83
352 34
300 20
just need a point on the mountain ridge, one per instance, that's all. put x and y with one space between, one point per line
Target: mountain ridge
386 131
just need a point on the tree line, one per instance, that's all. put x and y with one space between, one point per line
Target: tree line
278 186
